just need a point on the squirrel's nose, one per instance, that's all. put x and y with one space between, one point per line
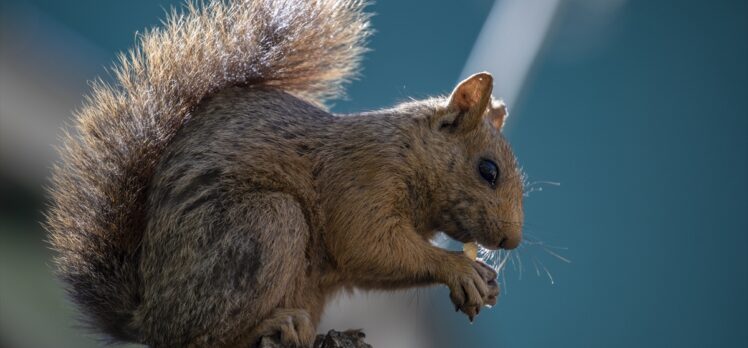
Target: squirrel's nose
510 242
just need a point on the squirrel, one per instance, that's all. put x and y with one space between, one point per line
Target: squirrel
208 198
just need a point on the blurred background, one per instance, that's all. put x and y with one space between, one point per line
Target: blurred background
639 109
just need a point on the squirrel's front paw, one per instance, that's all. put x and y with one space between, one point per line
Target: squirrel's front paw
473 288
489 275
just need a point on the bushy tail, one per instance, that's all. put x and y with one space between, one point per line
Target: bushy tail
96 219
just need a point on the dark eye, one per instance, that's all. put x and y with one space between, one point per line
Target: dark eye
489 171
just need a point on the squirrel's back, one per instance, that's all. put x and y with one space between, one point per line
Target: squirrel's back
99 187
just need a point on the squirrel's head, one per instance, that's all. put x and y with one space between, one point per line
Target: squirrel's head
473 174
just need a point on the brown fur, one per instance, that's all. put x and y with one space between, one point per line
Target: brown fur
188 212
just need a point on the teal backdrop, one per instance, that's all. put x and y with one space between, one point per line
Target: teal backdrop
644 123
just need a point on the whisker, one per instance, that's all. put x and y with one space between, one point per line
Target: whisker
503 282
555 255
544 245
511 261
503 260
529 187
543 182
519 262
531 239
500 259
534 262
547 272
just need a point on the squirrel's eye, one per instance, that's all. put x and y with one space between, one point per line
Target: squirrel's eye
489 171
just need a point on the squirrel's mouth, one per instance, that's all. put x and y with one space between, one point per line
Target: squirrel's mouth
486 243
491 240
462 236
465 237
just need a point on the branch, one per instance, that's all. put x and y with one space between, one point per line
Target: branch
333 339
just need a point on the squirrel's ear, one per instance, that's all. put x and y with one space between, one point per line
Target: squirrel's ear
468 102
497 114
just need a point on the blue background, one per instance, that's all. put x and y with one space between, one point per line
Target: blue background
645 126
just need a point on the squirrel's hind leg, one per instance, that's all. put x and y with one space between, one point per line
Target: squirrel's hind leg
221 269
285 294
283 235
